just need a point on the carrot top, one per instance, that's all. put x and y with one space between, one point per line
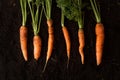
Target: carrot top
73 10
35 9
23 4
96 10
47 5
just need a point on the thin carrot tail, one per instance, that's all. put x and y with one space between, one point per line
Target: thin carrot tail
23 41
37 46
81 54
99 30
45 67
68 63
81 44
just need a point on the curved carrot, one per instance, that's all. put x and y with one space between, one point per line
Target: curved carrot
67 40
23 41
37 46
81 39
99 30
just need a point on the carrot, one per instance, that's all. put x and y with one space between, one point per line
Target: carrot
23 41
50 41
37 46
81 44
67 40
23 29
99 30
47 5
35 10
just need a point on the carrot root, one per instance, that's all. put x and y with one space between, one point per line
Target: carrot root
67 40
37 46
81 44
99 30
50 41
23 41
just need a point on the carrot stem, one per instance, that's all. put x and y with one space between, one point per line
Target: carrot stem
96 11
23 4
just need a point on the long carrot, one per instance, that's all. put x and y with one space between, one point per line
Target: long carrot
67 40
47 9
37 46
23 41
66 36
99 31
23 29
81 39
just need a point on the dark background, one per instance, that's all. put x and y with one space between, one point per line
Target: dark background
13 66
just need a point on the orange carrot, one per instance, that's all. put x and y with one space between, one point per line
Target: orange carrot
99 30
37 46
67 40
23 41
81 43
50 39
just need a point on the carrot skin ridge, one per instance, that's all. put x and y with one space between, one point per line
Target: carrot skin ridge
99 31
81 39
23 41
37 43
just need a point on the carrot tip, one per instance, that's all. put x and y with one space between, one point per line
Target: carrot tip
45 66
67 63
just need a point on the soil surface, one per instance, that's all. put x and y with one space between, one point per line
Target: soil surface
13 66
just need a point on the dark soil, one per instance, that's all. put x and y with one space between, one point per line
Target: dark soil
13 66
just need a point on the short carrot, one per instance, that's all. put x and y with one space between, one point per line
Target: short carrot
99 31
81 39
37 46
23 29
23 41
36 21
81 36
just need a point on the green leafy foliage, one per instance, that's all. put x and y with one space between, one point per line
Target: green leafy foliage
71 8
